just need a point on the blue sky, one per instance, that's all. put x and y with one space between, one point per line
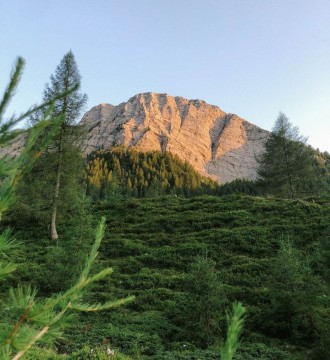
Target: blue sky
253 58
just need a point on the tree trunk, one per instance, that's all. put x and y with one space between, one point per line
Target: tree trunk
288 171
53 230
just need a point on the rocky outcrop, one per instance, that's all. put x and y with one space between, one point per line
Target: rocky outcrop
220 145
217 144
15 146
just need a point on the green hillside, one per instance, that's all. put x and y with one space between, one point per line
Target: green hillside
142 174
187 260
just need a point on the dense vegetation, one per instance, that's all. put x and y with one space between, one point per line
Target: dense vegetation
128 173
27 320
186 260
140 174
123 172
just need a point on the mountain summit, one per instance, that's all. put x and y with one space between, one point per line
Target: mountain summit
220 145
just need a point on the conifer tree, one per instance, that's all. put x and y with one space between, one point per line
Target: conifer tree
63 156
201 313
286 162
26 320
294 293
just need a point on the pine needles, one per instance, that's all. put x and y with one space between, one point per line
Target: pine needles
235 322
27 319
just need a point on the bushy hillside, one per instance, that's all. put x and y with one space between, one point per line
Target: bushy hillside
187 260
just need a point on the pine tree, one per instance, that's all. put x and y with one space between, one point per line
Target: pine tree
294 291
26 320
63 157
201 313
286 163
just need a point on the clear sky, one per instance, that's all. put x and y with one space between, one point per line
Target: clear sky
253 58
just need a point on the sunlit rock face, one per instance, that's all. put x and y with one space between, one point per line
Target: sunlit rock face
220 145
15 146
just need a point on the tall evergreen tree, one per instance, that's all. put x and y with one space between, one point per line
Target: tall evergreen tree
295 292
27 320
286 163
63 156
201 313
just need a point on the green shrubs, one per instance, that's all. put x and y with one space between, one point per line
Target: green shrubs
38 353
28 320
259 351
97 353
155 245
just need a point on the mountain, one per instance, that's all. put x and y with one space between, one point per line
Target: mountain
220 145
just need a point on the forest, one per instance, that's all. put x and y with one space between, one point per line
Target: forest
128 255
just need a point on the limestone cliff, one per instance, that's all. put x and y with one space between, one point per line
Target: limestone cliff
217 144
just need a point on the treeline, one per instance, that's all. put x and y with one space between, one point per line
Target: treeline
126 172
140 174
322 164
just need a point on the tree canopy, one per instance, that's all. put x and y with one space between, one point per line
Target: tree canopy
286 165
56 173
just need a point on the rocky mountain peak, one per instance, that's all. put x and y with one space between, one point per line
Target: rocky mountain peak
217 144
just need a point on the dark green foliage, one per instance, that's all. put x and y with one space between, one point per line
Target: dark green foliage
286 166
259 351
200 313
321 164
294 292
239 186
158 248
53 187
117 173
325 257
66 77
35 192
256 351
62 262
322 348
75 223
152 244
99 353
25 318
188 354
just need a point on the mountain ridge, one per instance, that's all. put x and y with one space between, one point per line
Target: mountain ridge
217 144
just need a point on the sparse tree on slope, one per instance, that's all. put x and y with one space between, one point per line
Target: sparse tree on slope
65 147
286 163
27 320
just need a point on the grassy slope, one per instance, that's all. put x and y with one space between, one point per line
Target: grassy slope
151 242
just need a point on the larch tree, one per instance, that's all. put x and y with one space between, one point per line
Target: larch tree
26 319
65 147
286 163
